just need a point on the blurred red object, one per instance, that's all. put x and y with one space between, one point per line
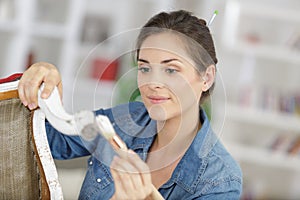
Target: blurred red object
104 69
11 78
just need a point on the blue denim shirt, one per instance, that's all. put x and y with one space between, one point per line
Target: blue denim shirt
206 171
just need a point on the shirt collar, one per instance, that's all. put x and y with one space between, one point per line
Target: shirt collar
192 165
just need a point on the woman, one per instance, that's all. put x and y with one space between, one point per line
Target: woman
174 147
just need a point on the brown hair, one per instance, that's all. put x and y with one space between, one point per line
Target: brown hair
192 30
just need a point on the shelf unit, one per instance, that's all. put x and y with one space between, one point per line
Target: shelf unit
284 121
262 153
265 157
259 44
268 51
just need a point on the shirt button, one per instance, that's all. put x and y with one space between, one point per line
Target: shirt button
98 180
91 162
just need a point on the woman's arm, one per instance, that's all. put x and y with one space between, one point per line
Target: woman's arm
62 146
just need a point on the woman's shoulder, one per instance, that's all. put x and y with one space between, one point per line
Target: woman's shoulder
222 171
222 159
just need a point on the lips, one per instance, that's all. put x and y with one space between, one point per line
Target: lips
158 99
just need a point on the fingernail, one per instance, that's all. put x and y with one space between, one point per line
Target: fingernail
116 159
130 151
31 106
44 95
25 103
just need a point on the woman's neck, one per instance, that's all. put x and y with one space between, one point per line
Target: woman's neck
178 129
177 133
173 139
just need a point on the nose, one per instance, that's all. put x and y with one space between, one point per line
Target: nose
156 80
151 81
155 85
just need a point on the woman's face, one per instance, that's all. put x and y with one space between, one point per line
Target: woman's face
168 81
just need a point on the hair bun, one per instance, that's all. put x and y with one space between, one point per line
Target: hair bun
202 22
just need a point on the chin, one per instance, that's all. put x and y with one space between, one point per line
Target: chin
157 112
161 113
157 117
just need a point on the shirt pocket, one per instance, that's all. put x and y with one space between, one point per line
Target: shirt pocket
100 173
98 181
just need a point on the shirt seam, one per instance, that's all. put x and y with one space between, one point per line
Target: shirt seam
211 184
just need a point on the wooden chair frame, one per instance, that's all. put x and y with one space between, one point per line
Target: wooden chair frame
39 179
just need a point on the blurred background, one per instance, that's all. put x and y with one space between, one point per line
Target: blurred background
256 105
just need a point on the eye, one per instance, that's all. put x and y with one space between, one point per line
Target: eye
171 70
144 68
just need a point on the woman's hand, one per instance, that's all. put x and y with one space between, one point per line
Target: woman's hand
32 79
131 176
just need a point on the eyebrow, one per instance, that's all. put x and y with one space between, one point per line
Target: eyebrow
162 62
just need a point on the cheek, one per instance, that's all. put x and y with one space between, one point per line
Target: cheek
186 89
143 91
142 81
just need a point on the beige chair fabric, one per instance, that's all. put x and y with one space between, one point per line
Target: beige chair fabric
27 169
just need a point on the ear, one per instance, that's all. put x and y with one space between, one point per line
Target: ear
209 77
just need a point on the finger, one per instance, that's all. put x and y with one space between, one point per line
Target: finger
131 180
135 160
120 191
129 171
125 171
118 186
21 94
48 88
31 88
124 165
60 90
141 166
22 86
50 81
142 185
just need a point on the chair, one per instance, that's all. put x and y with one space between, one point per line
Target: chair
27 169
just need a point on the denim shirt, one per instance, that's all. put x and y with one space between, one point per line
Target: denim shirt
206 171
